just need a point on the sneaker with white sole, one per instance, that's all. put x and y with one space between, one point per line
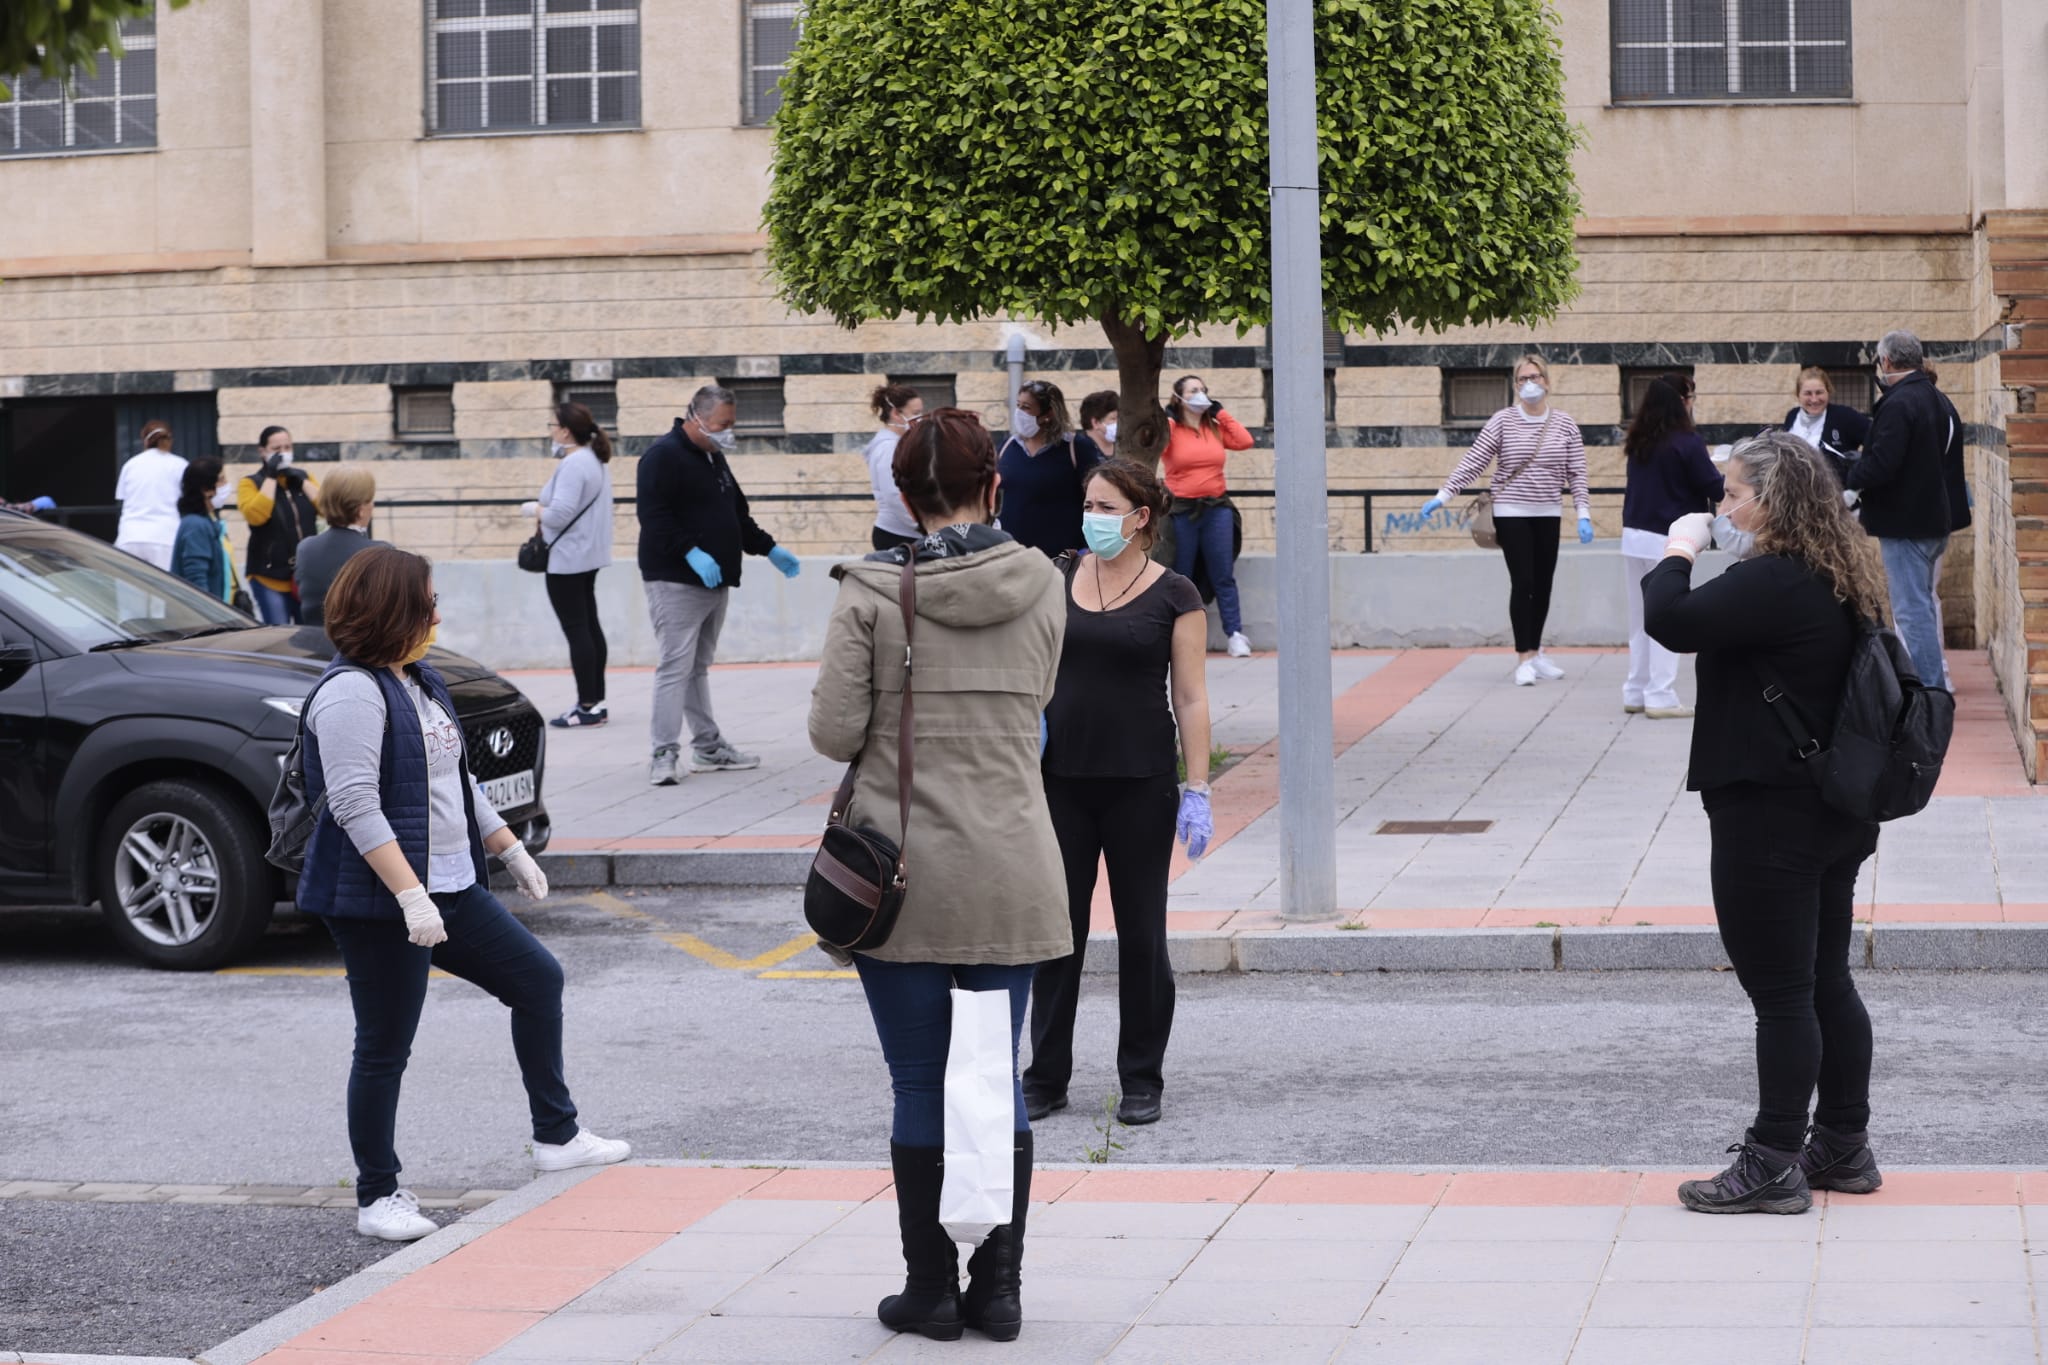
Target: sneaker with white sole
1669 712
395 1218
661 770
722 758
1525 673
1545 669
585 1149
1238 646
579 716
1633 708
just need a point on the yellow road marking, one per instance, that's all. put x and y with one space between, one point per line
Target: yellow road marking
808 976
304 971
724 961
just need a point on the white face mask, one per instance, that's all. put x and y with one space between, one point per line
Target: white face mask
1023 423
1109 430
557 449
1532 391
1197 401
284 457
1732 538
724 439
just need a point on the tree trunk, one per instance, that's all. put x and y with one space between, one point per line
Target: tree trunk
1141 421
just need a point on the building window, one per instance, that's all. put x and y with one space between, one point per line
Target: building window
1473 396
936 389
600 396
1329 392
423 413
1852 388
496 66
771 28
108 109
1635 381
1730 50
759 406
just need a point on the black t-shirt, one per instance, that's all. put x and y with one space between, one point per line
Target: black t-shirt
1110 715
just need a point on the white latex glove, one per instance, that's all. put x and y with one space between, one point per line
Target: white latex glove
422 920
529 509
1694 529
1850 497
533 883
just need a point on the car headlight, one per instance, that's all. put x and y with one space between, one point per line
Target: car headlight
291 706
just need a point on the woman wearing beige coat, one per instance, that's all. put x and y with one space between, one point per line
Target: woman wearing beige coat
987 896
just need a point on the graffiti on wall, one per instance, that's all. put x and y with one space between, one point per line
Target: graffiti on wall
1447 519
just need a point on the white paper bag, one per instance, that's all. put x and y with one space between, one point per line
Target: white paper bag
980 1118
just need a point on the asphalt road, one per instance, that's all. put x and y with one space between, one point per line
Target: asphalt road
109 1071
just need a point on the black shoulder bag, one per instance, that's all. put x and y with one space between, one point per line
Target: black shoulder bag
857 881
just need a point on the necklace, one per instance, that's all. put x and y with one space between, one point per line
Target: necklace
1120 596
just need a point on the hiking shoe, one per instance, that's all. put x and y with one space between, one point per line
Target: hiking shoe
395 1218
1238 646
1761 1180
1037 1106
1137 1110
585 1149
722 758
1839 1161
1545 669
579 715
661 772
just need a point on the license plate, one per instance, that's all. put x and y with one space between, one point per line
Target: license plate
510 793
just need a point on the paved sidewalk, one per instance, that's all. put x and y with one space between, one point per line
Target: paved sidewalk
703 1264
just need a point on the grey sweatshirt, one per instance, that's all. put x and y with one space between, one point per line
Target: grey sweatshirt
580 479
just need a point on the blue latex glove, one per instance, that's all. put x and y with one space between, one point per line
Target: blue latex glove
1042 734
782 559
1585 530
43 504
1432 507
1196 826
706 567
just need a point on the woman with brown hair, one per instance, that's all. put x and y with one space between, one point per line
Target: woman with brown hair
1777 629
984 904
395 869
1205 528
1136 636
574 515
1044 464
895 406
151 482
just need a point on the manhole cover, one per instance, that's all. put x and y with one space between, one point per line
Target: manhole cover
1434 827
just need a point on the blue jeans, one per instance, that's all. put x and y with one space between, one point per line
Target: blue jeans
914 1019
273 608
1209 533
387 984
1914 570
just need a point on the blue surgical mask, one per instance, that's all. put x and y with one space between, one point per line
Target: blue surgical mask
1104 532
1732 538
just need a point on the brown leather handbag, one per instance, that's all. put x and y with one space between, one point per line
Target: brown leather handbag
857 881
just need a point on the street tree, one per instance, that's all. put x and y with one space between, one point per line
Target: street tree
1105 161
58 37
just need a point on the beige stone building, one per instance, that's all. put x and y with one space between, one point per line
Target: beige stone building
402 228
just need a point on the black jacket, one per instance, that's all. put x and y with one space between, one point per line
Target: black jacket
320 559
1911 472
1842 433
1772 608
689 500
274 546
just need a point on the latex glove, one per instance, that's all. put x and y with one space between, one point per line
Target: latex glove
422 920
1043 734
1196 826
529 509
270 469
1850 497
1432 507
1585 530
706 567
533 883
782 559
1695 529
43 504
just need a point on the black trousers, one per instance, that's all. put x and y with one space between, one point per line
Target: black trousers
1784 871
574 596
1529 544
1126 823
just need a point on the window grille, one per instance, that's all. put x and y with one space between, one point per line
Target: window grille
1473 396
771 28
111 108
1731 50
1329 394
1854 388
1333 345
1635 381
937 390
424 412
759 406
498 66
601 397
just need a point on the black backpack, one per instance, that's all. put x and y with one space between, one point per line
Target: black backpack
1891 731
292 816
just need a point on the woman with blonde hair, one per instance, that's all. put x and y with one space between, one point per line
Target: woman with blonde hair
347 501
1537 456
1836 430
1777 629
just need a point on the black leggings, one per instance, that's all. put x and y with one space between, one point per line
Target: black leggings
1126 823
1784 871
1529 544
575 599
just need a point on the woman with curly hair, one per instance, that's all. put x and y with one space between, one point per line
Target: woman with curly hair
1784 863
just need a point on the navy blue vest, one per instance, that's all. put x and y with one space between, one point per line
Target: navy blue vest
336 880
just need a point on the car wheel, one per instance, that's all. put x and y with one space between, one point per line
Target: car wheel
181 876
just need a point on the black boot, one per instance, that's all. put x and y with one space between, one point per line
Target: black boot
1835 1160
930 1301
992 1304
1761 1180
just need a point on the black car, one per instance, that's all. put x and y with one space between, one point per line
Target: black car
142 728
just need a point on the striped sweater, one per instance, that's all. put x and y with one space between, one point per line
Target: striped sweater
1508 442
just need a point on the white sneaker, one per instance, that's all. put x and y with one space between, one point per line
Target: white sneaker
1525 673
395 1218
1545 669
585 1149
1675 712
1239 647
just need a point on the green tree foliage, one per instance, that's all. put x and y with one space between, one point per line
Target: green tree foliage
1105 160
56 37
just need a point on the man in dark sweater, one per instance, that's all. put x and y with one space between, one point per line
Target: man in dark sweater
1912 493
694 528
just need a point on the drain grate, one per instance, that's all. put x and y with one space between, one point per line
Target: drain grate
1434 827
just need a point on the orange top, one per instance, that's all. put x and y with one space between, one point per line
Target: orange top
1194 456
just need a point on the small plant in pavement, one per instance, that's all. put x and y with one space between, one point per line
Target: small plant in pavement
1106 1127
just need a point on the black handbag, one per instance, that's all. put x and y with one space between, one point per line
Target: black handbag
857 881
533 554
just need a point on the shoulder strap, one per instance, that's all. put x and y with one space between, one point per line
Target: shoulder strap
573 520
906 753
1804 745
1541 434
